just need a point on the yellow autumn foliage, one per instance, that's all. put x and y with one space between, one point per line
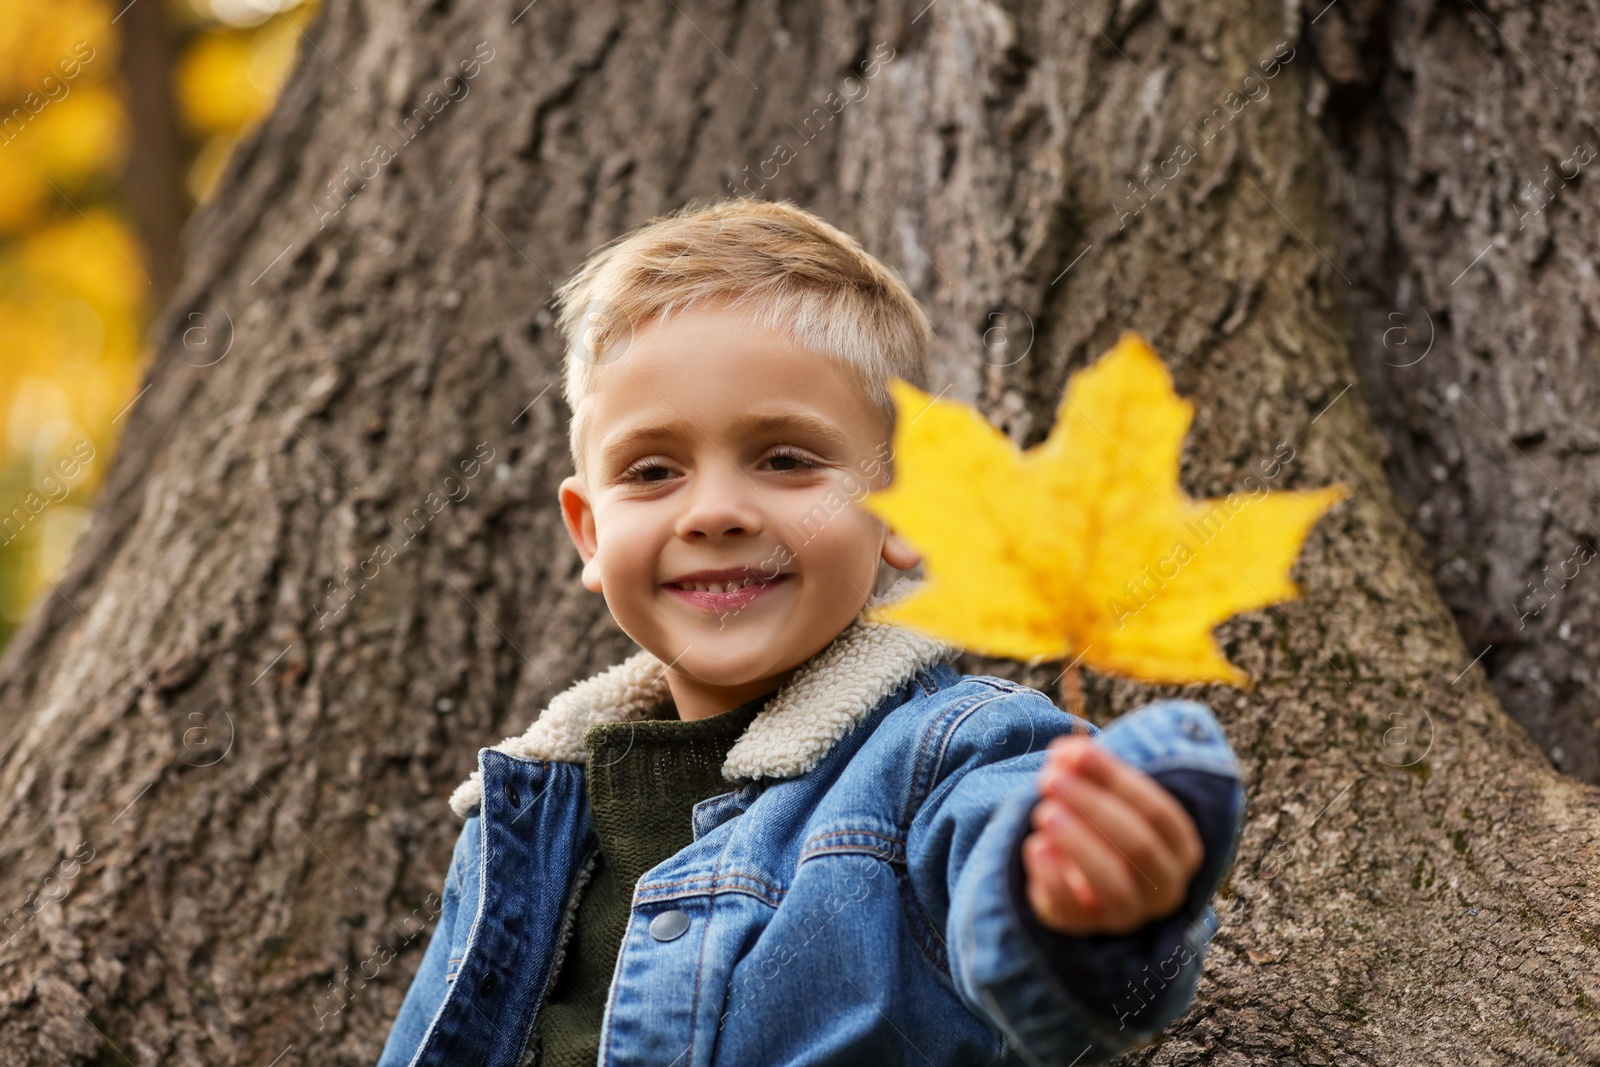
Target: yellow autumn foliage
37 38
228 80
83 135
74 287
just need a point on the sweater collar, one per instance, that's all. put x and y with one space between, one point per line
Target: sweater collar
821 702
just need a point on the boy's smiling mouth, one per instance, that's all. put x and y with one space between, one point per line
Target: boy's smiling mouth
729 589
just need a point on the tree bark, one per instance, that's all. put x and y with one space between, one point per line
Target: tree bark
228 736
1464 146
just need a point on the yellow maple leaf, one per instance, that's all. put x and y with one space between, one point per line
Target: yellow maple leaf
1084 548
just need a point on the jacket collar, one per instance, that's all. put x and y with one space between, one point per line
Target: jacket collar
820 703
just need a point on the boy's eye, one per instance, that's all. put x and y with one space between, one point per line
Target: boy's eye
636 472
800 459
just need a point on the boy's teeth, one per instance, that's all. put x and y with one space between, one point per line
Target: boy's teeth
719 587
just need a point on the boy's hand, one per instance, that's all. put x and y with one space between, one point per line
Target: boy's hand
1110 849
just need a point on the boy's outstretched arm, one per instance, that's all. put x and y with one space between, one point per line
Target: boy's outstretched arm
1069 998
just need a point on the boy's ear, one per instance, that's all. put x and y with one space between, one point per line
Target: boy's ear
898 553
579 519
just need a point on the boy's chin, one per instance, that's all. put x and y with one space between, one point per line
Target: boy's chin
721 659
725 659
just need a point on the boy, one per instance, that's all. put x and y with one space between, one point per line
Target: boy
778 833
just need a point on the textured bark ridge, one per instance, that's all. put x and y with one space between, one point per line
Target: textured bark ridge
1464 155
328 565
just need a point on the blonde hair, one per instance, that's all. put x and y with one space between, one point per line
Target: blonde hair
796 273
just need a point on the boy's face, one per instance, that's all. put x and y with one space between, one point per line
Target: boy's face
690 469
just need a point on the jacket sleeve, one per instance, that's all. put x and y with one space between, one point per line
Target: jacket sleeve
1125 975
432 980
1060 999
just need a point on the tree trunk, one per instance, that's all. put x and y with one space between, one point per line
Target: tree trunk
1464 152
153 178
327 566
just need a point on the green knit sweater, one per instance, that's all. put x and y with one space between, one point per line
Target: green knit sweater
644 779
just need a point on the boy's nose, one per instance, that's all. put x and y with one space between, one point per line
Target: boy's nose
720 503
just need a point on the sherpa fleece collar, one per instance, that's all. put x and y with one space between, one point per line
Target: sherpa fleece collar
819 704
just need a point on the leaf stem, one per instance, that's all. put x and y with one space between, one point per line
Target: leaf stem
1072 690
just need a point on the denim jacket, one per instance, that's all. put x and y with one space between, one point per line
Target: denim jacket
855 896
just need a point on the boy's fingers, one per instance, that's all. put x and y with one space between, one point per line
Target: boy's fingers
1068 751
1054 900
1122 830
1103 875
1158 807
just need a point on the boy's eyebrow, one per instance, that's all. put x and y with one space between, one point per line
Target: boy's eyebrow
625 440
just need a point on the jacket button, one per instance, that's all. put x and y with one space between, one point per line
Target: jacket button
486 984
1194 728
668 925
512 796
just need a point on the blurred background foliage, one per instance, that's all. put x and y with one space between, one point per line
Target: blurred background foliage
116 121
